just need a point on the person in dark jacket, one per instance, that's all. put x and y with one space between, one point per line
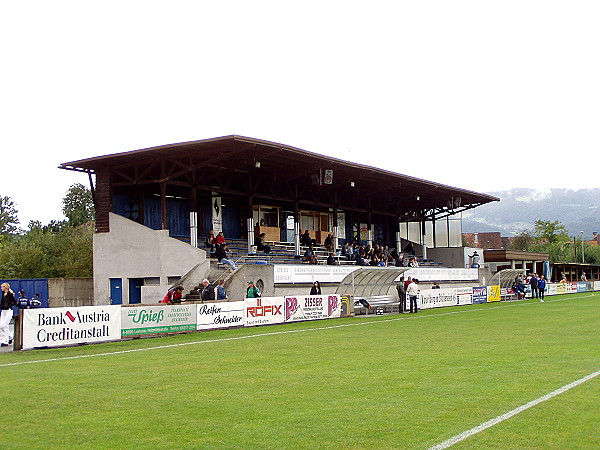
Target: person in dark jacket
8 301
208 291
316 288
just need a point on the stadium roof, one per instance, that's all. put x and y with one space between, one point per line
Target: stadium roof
243 165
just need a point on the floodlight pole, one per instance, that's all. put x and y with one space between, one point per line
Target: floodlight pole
582 249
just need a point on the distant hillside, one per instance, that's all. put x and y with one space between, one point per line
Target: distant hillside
519 208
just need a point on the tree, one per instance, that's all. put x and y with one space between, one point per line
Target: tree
78 205
551 232
8 216
522 241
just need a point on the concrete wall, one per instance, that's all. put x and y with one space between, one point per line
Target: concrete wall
70 292
131 250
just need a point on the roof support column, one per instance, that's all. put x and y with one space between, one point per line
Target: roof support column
250 223
296 227
163 205
193 218
335 228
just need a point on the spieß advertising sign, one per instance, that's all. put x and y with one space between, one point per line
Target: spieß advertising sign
158 319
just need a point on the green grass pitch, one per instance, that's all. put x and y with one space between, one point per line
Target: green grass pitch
394 381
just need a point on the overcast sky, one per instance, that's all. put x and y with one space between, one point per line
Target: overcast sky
476 94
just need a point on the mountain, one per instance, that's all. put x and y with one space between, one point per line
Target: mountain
519 208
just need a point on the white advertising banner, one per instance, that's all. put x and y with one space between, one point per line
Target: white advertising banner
263 311
442 274
597 285
220 315
157 319
56 327
288 273
436 298
312 307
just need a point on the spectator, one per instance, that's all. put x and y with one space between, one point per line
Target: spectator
309 255
261 244
252 291
6 313
436 285
220 239
210 241
221 255
315 289
221 294
331 260
413 293
208 291
305 239
329 243
173 295
533 282
542 287
401 294
23 302
409 248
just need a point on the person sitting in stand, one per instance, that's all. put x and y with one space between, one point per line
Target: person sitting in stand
221 255
436 285
261 245
174 295
210 241
252 291
409 248
329 243
305 239
331 260
220 239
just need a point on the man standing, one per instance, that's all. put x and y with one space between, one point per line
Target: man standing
252 291
533 282
208 291
413 292
401 294
221 294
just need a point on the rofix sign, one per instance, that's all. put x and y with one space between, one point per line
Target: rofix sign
220 315
263 311
66 326
312 307
158 319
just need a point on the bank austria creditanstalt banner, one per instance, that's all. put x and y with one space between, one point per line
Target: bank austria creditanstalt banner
157 319
57 327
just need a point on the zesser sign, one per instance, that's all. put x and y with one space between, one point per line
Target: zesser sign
58 327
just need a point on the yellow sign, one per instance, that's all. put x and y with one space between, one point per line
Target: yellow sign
494 294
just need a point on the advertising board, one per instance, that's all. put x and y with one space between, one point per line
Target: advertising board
157 319
263 311
56 327
480 294
312 307
494 293
220 315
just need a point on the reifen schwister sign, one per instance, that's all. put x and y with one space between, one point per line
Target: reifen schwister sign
56 327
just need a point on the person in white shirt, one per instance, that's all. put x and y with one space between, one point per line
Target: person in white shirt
413 292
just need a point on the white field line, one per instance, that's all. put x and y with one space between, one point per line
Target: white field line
495 421
237 338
